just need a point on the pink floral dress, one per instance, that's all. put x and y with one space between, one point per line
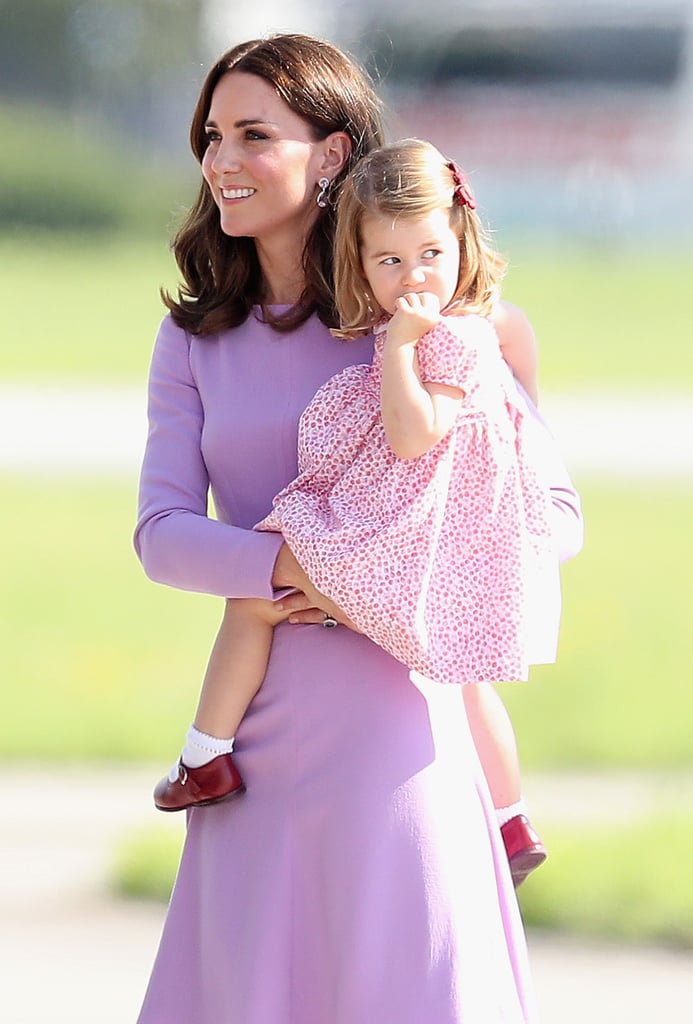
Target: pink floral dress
446 560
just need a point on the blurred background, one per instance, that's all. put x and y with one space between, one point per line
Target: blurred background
574 121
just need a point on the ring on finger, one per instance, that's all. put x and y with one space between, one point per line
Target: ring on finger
329 622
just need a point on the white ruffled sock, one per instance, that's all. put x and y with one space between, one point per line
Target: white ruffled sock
504 814
201 748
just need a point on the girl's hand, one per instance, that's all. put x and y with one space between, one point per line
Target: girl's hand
415 313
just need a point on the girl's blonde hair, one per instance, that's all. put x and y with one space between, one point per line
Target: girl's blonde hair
409 179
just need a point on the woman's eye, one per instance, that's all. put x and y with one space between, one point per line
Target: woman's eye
253 135
212 136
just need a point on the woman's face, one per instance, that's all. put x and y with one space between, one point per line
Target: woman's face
262 162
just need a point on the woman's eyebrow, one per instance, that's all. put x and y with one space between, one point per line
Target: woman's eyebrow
244 123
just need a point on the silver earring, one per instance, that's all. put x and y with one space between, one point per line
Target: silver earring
324 184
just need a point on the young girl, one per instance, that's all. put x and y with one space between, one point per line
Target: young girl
418 511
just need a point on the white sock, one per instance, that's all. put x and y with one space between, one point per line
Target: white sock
201 748
504 814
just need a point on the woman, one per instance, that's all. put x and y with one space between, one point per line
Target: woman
362 877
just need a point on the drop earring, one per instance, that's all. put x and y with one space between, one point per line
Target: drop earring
324 184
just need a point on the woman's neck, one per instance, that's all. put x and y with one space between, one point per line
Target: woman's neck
282 272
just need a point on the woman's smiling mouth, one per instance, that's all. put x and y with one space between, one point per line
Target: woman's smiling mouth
237 193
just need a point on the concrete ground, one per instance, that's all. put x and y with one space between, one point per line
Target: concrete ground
606 435
72 953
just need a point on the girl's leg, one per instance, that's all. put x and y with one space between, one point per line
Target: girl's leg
236 668
494 739
206 773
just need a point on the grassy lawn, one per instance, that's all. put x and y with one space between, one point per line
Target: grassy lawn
607 320
79 308
620 693
105 664
99 657
90 310
599 881
616 882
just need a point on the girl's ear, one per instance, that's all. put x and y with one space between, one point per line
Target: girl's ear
336 153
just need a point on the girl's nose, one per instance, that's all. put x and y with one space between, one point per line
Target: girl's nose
413 275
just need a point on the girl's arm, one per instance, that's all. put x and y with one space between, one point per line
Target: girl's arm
176 541
416 414
518 345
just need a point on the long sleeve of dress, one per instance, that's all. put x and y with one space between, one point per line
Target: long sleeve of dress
568 525
175 539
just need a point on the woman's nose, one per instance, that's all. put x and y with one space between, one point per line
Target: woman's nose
225 159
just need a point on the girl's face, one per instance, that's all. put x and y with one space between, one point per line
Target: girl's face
262 163
406 254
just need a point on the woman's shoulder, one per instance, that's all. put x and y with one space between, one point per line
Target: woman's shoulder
172 342
170 333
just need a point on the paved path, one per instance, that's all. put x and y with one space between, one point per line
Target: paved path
70 953
86 429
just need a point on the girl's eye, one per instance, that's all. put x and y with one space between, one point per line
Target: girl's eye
390 261
431 254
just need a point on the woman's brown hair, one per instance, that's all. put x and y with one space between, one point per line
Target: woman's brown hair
409 179
221 275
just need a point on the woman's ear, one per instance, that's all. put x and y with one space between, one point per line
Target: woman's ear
337 152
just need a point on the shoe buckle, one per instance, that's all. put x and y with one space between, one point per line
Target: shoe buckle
182 774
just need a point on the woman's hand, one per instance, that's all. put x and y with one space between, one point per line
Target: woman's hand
307 605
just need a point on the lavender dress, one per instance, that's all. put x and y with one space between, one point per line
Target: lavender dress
361 879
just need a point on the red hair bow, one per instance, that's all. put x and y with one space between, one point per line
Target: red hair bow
463 193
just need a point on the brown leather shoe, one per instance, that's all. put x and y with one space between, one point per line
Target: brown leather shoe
523 846
197 787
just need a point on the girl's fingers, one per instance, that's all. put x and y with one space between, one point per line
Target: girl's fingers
295 602
307 617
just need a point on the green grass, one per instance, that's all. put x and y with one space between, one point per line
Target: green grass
145 864
606 320
620 693
600 881
81 309
98 662
97 184
628 882
76 308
